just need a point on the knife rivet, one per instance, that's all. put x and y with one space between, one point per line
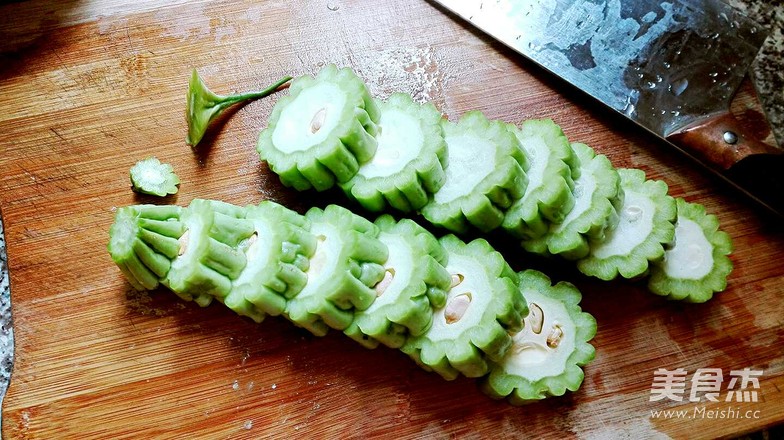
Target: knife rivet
730 137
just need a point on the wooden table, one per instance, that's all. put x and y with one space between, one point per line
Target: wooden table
88 90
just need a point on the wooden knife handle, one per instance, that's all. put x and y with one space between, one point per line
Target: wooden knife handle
721 140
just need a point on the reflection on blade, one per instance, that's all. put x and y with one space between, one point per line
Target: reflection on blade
661 63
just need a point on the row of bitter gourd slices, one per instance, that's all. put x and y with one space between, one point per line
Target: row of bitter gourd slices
556 197
454 307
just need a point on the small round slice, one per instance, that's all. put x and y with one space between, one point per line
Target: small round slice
548 197
211 252
697 265
546 356
484 175
143 240
598 195
645 227
483 306
278 255
150 176
322 131
408 164
415 281
347 263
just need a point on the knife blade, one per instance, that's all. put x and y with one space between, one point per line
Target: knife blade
670 66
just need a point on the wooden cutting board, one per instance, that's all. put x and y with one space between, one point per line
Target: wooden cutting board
87 90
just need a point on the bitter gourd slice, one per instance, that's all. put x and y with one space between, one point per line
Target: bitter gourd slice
483 306
598 196
645 226
548 197
212 251
322 131
484 175
150 176
348 261
415 281
408 163
278 255
546 356
143 240
697 265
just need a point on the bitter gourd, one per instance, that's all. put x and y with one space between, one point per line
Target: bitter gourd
546 356
645 227
484 175
150 176
347 263
415 281
484 305
322 131
697 264
408 163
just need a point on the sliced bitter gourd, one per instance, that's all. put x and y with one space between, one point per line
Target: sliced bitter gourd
348 261
278 255
322 131
415 281
548 197
644 228
408 164
212 251
483 306
697 265
546 356
150 176
598 196
143 240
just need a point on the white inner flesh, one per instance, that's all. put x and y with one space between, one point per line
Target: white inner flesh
324 262
529 356
258 254
294 131
474 282
470 159
400 140
584 188
635 225
537 152
400 260
152 176
692 256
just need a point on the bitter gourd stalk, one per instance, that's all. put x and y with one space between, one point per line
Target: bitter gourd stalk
203 106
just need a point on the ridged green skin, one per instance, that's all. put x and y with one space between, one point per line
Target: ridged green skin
634 263
548 197
150 176
571 238
405 307
507 380
497 307
143 240
338 156
214 252
345 278
696 290
407 189
278 259
484 206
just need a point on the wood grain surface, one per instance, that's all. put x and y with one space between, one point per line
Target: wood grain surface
88 89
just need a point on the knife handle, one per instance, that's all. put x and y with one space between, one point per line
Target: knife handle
721 140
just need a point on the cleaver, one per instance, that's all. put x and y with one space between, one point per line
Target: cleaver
671 66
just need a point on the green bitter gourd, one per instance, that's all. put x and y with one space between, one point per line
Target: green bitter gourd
150 176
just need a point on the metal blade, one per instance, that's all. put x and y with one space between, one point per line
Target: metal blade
664 64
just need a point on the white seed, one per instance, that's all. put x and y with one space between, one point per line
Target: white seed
382 285
184 239
457 278
633 213
536 318
554 338
457 307
519 348
318 120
